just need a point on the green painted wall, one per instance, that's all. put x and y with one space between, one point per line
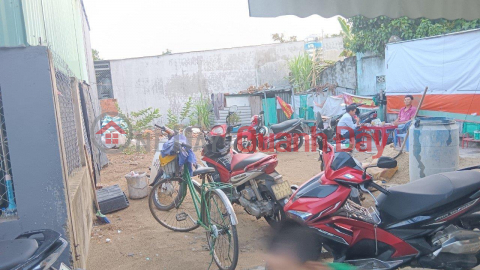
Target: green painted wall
456 116
55 24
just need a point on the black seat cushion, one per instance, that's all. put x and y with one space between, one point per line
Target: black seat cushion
428 193
15 252
284 125
240 161
203 170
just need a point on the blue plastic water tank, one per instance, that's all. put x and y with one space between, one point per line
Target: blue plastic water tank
434 146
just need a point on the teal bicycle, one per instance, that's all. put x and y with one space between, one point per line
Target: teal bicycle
180 203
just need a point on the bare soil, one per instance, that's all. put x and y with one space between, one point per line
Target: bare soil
138 241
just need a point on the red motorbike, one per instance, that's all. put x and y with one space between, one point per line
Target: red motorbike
257 186
287 135
433 222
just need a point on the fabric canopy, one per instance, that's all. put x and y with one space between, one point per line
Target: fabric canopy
431 9
448 65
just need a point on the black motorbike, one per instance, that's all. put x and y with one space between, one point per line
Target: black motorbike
32 250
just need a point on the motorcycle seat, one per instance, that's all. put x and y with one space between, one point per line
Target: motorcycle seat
277 128
203 170
428 193
240 161
15 252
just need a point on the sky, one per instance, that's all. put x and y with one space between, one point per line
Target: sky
124 29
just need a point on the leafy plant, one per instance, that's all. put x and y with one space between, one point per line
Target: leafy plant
186 109
172 119
201 114
305 71
234 119
347 37
371 35
140 120
282 39
301 68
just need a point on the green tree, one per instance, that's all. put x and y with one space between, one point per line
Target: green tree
371 35
282 39
96 55
347 37
167 51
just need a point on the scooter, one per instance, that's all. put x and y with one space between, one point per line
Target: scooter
258 187
287 135
32 250
433 222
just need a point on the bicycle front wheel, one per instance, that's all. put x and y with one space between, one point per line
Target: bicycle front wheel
171 204
222 237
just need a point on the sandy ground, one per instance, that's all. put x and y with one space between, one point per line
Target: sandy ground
137 241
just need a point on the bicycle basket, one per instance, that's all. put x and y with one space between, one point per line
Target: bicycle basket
170 167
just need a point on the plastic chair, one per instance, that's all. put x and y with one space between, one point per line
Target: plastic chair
401 133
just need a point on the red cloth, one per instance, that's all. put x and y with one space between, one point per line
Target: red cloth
286 108
406 114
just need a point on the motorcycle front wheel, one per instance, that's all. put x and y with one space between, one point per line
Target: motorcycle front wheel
278 214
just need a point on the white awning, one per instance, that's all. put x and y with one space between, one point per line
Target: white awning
431 9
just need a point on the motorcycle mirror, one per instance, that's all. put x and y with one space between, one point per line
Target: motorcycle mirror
233 109
386 163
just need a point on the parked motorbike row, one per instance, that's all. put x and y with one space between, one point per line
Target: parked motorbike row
433 222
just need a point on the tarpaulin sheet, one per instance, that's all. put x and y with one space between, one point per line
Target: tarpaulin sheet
333 106
448 65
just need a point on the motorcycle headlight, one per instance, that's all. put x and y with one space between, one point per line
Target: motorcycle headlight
298 215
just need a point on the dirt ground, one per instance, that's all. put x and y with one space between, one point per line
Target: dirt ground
137 241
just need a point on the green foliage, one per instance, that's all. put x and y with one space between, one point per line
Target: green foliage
301 70
305 71
96 55
371 35
201 113
140 120
347 37
281 38
172 119
168 51
234 119
186 109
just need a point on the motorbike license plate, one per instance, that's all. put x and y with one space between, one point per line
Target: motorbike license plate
282 190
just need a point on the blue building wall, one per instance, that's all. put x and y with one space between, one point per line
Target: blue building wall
369 66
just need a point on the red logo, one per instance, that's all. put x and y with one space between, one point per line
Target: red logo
109 137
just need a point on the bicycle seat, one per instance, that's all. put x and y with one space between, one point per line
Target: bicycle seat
203 170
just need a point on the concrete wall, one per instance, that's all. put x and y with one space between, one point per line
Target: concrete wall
166 81
369 67
343 73
332 48
32 134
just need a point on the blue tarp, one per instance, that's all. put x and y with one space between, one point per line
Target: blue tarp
184 156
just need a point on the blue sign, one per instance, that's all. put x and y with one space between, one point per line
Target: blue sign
313 45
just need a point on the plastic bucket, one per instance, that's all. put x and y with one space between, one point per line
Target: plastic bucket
476 135
137 185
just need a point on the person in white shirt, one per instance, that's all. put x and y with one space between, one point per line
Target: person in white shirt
347 121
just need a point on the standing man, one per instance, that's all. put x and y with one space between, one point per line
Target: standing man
406 113
347 121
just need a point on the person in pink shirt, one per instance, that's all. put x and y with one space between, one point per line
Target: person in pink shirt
406 113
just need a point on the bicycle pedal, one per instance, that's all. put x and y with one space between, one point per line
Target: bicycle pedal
181 216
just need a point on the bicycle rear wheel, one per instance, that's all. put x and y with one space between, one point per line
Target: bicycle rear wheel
222 237
171 204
